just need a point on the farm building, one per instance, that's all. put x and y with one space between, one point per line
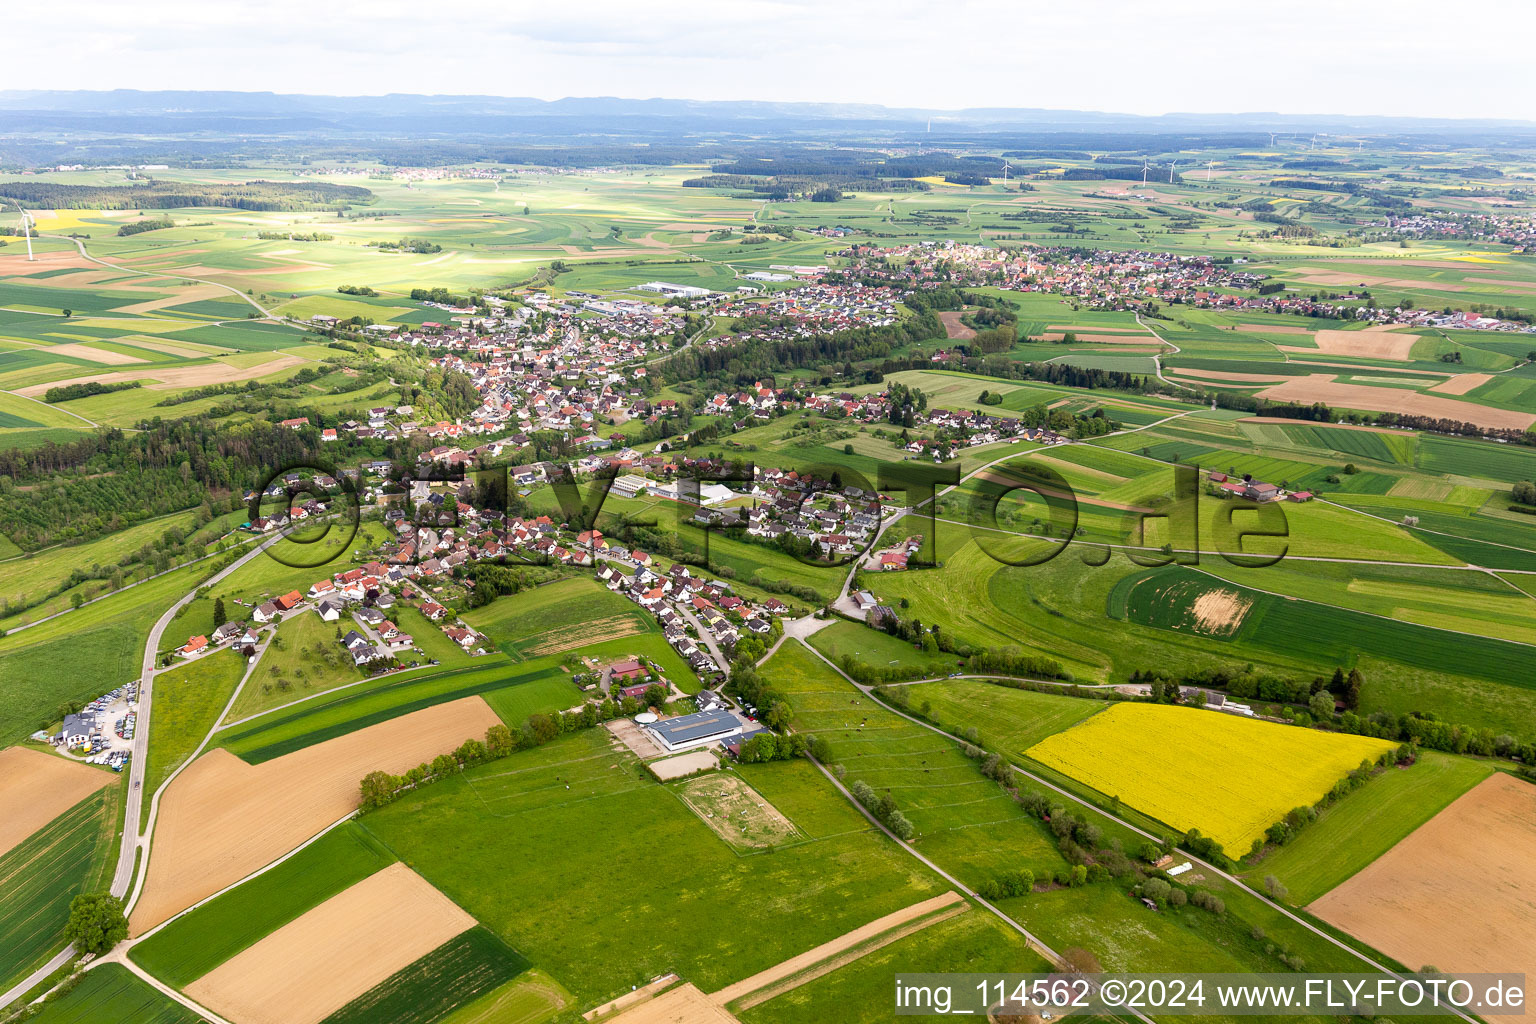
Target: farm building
696 730
676 291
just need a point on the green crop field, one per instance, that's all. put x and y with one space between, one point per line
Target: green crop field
1366 824
464 968
1167 597
859 992
288 729
112 993
196 943
1010 720
481 837
44 872
530 998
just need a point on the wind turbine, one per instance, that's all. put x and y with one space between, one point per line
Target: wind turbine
1144 166
1208 165
1271 140
1171 166
26 229
1005 172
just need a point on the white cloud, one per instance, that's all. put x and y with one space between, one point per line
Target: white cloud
1347 56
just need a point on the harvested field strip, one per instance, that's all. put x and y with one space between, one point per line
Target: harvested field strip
455 973
843 959
36 787
796 964
222 819
314 966
1320 388
1459 892
684 1004
195 944
565 638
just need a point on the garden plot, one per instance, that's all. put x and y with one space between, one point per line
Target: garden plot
737 813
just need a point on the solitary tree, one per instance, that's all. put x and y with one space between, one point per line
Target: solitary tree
96 922
220 616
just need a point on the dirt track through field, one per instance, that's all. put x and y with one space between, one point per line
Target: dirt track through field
1459 892
1323 388
222 819
36 787
314 965
827 950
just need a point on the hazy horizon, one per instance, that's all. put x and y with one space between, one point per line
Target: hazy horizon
1364 58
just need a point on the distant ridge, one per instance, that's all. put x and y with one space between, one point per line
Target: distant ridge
361 111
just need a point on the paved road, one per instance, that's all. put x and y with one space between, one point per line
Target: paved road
705 636
137 765
36 977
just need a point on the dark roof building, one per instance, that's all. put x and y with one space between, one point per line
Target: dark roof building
697 729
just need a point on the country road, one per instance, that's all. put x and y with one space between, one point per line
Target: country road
129 851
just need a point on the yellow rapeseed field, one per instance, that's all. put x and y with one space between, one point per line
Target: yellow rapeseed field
1227 776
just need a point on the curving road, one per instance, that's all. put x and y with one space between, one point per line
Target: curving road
132 841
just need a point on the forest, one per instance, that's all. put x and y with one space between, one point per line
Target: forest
168 195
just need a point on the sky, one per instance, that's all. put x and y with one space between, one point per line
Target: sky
1398 57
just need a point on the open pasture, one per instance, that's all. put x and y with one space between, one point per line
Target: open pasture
1458 893
1229 777
1008 719
483 838
1355 831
